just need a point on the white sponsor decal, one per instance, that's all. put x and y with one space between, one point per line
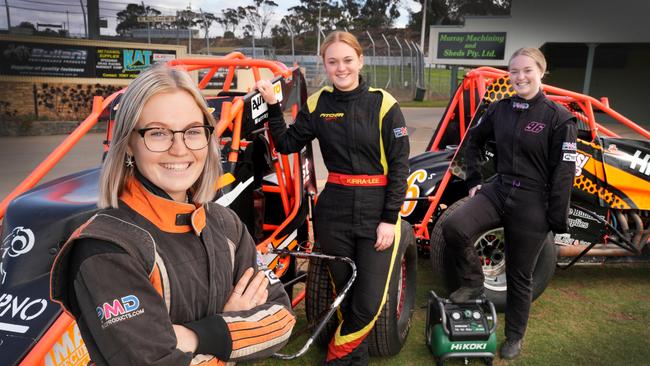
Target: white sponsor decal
163 57
259 107
569 157
571 146
639 164
18 242
581 161
468 346
15 308
578 223
229 197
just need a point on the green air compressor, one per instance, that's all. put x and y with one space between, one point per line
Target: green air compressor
461 330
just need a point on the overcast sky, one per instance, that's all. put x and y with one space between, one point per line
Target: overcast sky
54 11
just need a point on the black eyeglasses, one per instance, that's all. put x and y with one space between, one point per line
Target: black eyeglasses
159 139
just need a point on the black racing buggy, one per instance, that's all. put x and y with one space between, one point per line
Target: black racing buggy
272 193
610 211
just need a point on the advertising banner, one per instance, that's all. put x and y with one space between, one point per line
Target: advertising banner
36 59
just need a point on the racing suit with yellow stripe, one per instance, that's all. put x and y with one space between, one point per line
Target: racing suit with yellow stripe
360 132
128 274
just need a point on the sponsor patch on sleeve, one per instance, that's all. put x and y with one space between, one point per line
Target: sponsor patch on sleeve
118 310
569 146
569 157
400 132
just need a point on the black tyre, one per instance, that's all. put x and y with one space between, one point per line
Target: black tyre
319 295
394 322
491 247
391 329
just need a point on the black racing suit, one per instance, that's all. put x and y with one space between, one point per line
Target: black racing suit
535 164
360 132
129 273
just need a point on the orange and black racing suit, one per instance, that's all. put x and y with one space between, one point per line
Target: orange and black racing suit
535 164
128 274
365 147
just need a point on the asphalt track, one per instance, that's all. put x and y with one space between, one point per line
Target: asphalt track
20 155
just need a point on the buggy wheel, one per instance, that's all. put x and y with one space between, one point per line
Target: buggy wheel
319 296
391 329
491 248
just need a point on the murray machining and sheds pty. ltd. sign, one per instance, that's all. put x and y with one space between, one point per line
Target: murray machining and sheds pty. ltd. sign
471 45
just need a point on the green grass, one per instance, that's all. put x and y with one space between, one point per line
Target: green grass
589 315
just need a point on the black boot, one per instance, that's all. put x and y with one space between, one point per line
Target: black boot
466 294
511 348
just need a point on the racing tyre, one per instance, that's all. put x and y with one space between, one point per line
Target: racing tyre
389 334
491 247
319 296
392 327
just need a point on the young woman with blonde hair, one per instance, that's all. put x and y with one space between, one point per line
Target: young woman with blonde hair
161 275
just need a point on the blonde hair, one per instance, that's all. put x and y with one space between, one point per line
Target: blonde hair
533 53
340 36
160 78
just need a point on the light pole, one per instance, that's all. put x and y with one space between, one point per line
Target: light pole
319 31
424 23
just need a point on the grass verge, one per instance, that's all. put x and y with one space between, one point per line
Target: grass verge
589 315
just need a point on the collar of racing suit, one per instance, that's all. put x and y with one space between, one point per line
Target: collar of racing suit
532 102
351 94
168 215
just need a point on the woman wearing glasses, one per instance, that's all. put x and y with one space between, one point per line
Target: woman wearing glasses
160 275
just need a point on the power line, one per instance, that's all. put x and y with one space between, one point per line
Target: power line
44 11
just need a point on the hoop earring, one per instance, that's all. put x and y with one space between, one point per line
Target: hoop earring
129 161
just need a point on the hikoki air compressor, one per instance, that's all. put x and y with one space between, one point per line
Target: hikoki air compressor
461 330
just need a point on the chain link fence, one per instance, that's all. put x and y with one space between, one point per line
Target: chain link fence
392 63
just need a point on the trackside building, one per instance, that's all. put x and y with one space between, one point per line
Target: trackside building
599 48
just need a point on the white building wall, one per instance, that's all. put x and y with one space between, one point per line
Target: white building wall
536 22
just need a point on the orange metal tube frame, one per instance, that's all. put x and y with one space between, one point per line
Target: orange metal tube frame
230 112
478 80
45 344
55 156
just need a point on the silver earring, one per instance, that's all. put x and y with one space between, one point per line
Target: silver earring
129 161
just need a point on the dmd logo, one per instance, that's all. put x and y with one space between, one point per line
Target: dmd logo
117 310
469 347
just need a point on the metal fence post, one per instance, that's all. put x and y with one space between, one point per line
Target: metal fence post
410 63
387 61
401 61
374 60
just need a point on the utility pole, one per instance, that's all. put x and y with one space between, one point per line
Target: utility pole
424 24
205 24
8 16
293 51
83 11
93 18
67 24
146 14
